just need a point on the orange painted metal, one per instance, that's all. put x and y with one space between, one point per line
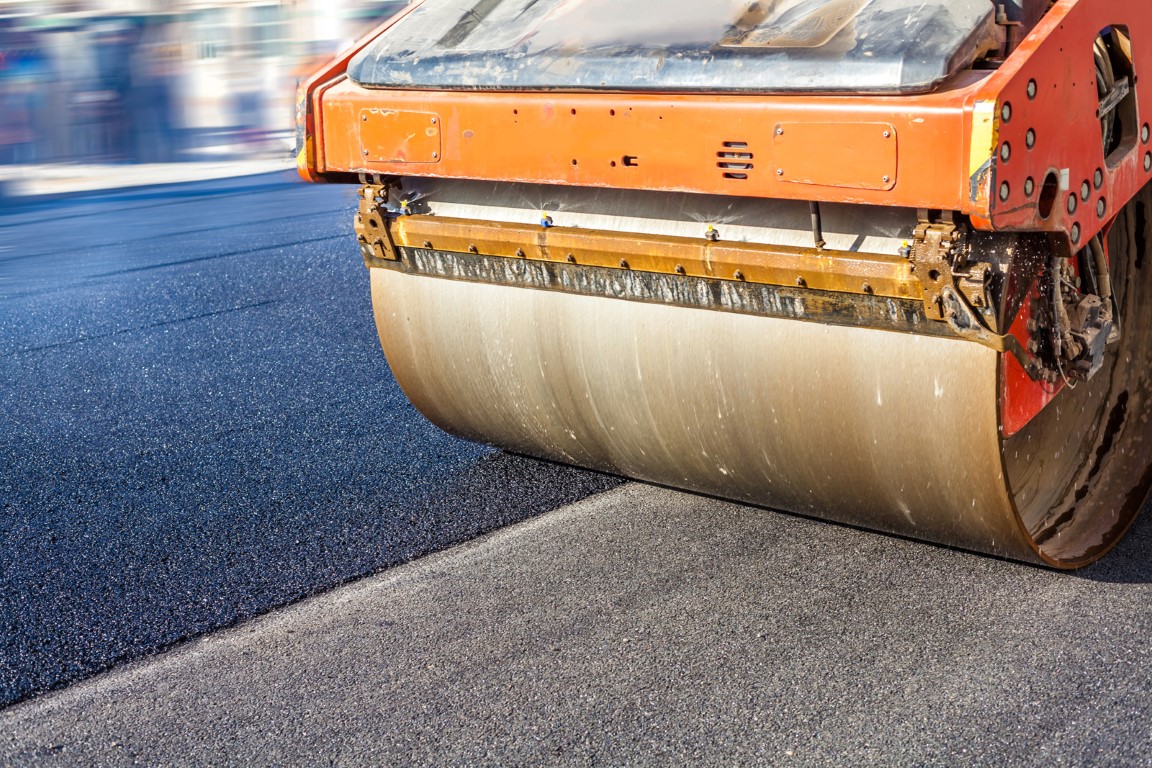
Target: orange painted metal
392 136
1055 134
1065 139
309 123
1022 397
674 142
982 145
949 142
854 155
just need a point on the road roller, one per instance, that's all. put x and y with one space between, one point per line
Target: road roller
886 263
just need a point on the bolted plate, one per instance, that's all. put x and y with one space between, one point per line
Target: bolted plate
394 136
845 155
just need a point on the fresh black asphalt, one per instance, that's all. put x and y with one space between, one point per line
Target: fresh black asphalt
197 424
197 427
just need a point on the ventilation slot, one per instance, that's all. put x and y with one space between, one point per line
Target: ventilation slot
735 160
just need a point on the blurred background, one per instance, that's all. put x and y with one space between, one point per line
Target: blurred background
162 81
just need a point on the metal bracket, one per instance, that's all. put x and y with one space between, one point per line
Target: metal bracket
956 291
1113 98
373 226
1012 30
938 256
933 246
964 322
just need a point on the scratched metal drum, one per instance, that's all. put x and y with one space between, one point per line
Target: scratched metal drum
897 432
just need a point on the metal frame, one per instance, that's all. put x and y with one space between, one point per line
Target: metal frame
991 146
943 151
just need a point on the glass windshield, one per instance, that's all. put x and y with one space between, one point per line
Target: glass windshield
676 45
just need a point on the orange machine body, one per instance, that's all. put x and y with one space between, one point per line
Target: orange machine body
1017 149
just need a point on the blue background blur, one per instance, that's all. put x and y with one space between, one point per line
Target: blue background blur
160 81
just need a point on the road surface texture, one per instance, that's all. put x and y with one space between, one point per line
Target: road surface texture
648 627
197 424
194 439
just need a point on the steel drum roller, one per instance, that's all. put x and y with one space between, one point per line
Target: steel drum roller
882 263
897 432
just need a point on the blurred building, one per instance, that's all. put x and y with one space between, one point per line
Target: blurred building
162 80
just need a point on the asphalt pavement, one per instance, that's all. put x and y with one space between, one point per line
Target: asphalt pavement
645 626
197 424
229 540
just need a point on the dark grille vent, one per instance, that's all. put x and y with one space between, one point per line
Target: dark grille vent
735 160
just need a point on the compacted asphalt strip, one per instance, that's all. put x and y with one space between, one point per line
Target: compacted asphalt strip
229 540
645 626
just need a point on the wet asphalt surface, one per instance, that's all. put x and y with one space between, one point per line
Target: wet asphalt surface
197 425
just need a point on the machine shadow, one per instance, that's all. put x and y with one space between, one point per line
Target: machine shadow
1131 560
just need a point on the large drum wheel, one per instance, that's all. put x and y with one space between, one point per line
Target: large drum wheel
1081 470
898 432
